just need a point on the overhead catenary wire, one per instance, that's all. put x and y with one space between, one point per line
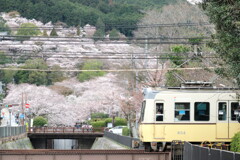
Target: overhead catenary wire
104 70
119 56
58 52
184 24
104 42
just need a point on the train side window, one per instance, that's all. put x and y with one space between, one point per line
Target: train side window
143 111
182 111
234 111
159 111
222 111
201 112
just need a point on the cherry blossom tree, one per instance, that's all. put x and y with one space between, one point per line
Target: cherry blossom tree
97 95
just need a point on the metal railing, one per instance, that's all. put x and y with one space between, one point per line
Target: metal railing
64 130
124 140
193 152
8 131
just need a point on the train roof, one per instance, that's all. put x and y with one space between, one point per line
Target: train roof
150 93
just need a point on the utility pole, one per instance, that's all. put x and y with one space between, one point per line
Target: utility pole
146 51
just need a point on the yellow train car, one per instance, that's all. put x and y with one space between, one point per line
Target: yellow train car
193 115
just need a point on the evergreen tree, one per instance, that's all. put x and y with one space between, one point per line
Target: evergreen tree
225 15
114 34
98 35
53 33
78 30
100 25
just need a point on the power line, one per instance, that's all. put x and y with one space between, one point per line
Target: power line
105 57
113 70
186 24
15 50
52 38
106 42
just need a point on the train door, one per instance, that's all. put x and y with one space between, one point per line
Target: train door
227 119
222 130
234 126
159 127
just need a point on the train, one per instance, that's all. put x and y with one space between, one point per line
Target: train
197 115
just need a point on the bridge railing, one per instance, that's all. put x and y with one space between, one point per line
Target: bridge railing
64 130
7 131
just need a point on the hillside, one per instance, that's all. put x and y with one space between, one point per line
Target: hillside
113 14
47 68
77 12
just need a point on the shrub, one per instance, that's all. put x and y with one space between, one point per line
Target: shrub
108 120
98 124
99 115
125 131
235 145
39 121
120 122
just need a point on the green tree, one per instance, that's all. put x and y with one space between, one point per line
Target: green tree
56 75
100 25
4 59
7 76
235 145
179 54
91 65
114 35
28 29
33 77
98 35
3 26
53 33
225 15
171 80
39 121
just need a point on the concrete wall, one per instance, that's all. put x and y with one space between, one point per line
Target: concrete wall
16 142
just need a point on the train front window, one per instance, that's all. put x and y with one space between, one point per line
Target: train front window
182 111
234 111
222 111
159 111
201 112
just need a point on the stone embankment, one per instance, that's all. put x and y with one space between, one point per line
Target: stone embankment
105 143
16 142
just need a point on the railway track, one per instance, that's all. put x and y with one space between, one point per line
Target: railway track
42 154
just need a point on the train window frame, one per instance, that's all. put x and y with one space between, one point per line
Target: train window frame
234 112
159 111
222 114
143 111
198 111
182 113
